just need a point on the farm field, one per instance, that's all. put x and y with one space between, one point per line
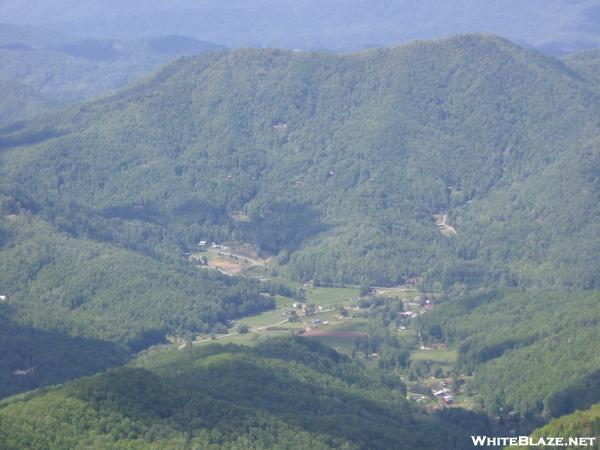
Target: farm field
326 296
338 337
441 357
325 324
408 291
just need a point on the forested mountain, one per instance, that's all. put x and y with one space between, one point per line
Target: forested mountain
586 63
32 358
579 424
340 162
96 289
20 102
282 394
77 306
555 25
530 352
64 69
454 164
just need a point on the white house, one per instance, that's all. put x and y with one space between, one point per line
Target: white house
441 392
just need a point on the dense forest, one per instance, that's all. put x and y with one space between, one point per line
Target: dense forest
20 102
93 289
531 352
281 394
77 306
340 162
44 68
466 168
579 424
32 358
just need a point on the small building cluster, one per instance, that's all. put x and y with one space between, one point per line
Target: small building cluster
444 395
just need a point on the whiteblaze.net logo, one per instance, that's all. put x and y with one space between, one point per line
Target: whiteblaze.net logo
487 441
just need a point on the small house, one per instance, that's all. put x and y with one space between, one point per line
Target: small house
202 244
3 299
441 392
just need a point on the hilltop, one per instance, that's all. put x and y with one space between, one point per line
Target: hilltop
281 394
63 69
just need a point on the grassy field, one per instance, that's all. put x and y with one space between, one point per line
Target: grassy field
340 333
325 297
247 338
406 292
443 357
353 325
330 296
284 302
263 319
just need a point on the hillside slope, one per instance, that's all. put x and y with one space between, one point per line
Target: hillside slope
20 102
579 424
340 165
77 306
530 352
66 69
343 161
282 394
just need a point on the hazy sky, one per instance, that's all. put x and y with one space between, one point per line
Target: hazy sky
340 24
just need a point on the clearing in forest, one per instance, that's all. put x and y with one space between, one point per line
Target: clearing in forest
441 220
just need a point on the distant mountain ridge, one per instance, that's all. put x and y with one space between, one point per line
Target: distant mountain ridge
64 69
554 25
